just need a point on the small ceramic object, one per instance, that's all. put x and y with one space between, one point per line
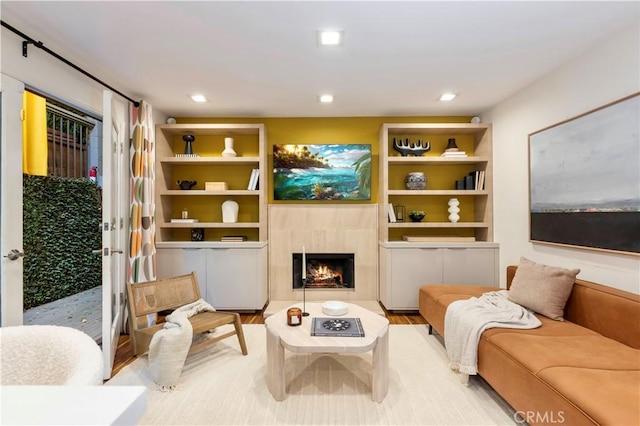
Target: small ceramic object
451 145
416 181
228 148
229 211
334 307
188 144
186 184
454 210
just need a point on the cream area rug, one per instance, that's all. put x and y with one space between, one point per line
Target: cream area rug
220 386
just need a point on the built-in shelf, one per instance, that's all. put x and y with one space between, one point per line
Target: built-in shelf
441 172
209 165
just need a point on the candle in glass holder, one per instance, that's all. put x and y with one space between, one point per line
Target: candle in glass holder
294 316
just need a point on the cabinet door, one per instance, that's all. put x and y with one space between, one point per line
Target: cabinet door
236 278
469 265
172 262
411 269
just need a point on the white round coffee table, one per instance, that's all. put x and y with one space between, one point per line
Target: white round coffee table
299 339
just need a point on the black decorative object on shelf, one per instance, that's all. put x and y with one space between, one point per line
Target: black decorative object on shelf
416 215
407 147
186 184
197 234
451 145
188 139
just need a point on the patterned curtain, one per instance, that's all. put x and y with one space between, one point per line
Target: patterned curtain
142 235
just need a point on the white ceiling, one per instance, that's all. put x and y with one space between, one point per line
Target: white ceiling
261 59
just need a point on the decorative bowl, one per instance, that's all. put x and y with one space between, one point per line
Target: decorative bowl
334 307
416 215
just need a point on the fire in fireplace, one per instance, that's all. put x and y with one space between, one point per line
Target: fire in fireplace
324 270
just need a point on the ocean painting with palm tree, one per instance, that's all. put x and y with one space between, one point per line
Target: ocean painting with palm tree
322 172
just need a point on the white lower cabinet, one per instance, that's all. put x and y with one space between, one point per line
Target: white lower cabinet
229 278
237 278
172 262
404 269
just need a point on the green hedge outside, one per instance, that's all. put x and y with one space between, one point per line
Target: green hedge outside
61 227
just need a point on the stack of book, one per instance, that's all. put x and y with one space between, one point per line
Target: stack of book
233 238
253 180
184 220
454 154
477 177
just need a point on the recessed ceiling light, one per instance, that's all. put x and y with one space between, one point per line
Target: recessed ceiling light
330 37
198 98
447 96
326 99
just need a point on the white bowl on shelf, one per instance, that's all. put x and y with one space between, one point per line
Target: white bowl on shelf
334 307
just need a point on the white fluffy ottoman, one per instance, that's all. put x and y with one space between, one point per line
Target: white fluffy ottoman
48 355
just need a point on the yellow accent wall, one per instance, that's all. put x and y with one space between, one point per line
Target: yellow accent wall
313 130
34 135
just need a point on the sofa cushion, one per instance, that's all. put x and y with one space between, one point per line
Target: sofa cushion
542 288
434 299
538 352
549 327
610 397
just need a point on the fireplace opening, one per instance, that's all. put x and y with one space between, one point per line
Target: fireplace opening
324 270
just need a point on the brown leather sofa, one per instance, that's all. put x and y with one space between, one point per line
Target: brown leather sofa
584 370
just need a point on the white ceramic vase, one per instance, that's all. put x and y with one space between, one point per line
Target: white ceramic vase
454 210
228 148
229 211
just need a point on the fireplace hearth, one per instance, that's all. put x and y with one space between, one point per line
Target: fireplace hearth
324 271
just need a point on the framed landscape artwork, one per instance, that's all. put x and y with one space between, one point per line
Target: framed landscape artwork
585 179
322 172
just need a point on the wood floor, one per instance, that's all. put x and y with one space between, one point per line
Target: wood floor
124 353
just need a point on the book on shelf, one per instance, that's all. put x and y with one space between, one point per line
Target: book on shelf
437 238
392 214
337 327
253 180
234 238
256 181
252 177
187 155
184 220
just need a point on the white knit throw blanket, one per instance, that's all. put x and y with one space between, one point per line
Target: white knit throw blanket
169 347
465 320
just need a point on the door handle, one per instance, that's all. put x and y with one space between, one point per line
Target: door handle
106 251
14 254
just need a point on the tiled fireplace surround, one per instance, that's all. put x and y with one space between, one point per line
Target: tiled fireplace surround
323 228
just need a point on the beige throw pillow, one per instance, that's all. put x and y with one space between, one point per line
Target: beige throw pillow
543 289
